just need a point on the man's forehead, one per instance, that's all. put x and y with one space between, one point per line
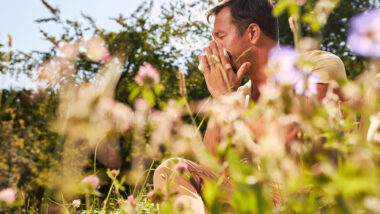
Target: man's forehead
222 21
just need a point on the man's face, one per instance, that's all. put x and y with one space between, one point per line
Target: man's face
226 33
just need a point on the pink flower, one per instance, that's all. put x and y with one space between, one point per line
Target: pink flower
142 105
147 74
114 172
181 167
179 204
96 50
131 201
91 180
7 195
155 196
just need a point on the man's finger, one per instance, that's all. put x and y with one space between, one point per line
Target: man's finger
214 51
204 64
225 59
242 71
210 60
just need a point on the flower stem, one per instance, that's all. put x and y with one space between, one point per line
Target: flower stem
108 195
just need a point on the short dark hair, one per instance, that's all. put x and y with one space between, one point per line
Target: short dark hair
246 12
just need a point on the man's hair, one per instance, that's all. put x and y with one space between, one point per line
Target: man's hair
246 12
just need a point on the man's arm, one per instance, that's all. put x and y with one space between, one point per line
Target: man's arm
212 138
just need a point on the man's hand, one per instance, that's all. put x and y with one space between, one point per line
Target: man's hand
217 70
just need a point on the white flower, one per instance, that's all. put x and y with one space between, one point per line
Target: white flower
96 49
373 130
76 203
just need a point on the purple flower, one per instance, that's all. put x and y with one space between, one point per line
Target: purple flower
181 167
288 77
147 74
283 60
364 36
307 86
7 195
283 57
91 180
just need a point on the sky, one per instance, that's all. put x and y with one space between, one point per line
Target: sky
17 18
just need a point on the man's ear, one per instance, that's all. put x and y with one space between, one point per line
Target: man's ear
254 33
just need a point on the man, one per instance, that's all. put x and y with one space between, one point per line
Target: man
244 31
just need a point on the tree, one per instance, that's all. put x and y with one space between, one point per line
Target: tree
334 34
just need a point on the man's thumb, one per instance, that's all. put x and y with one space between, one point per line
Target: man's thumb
242 71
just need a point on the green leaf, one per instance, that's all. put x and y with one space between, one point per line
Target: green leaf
158 88
135 92
280 8
148 94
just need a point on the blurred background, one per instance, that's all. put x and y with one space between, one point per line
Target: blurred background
168 34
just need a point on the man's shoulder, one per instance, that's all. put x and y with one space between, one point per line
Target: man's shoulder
328 65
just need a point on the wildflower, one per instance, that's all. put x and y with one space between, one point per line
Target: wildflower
96 50
91 180
372 203
114 115
373 130
147 74
364 36
308 44
55 70
155 196
308 85
113 172
284 57
67 50
131 201
181 167
142 105
7 195
179 204
76 203
283 60
182 83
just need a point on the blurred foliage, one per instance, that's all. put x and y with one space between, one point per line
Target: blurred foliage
30 151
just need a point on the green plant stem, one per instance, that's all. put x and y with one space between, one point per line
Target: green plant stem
108 195
146 177
61 205
151 166
96 149
297 31
88 202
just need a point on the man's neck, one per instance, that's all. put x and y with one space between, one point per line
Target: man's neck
257 74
